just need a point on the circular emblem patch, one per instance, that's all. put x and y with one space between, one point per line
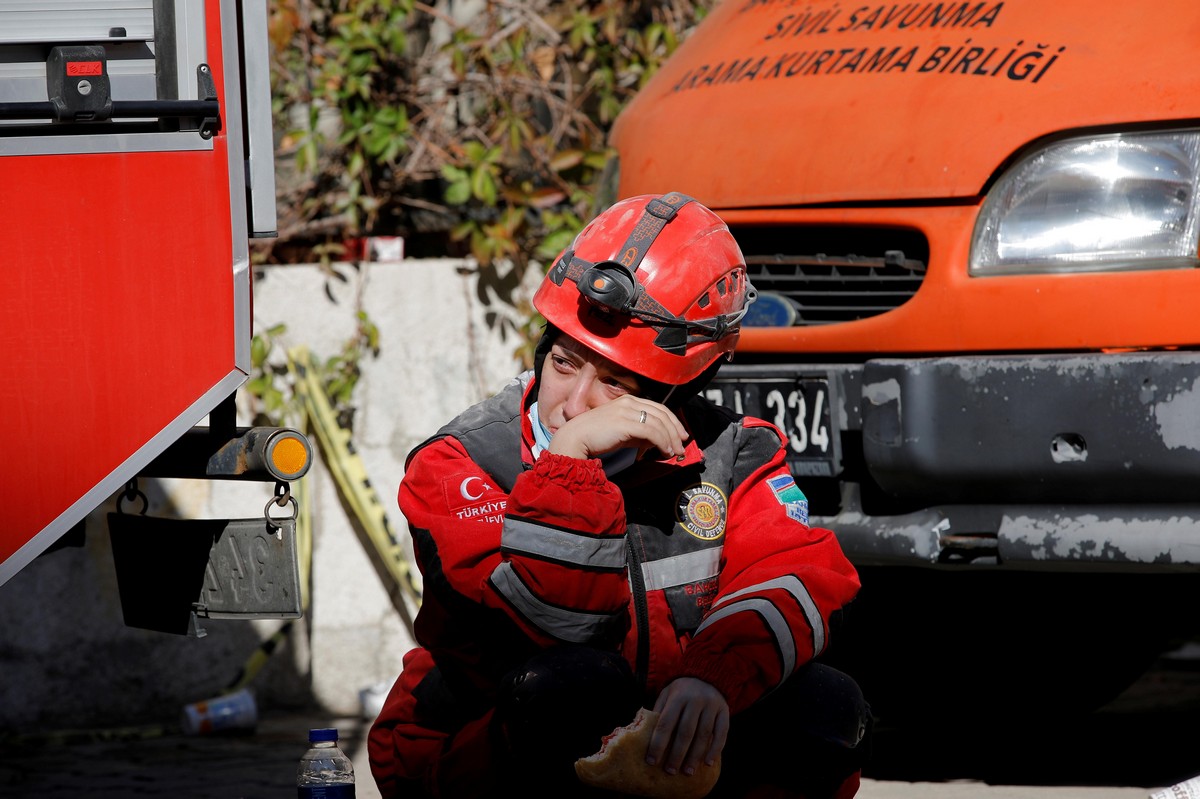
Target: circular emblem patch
701 510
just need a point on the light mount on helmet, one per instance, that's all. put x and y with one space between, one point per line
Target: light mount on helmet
610 285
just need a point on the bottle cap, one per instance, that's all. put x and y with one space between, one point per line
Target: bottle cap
327 734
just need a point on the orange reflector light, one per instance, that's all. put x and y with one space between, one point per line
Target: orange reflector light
289 455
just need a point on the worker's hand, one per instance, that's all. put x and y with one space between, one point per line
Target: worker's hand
693 725
627 421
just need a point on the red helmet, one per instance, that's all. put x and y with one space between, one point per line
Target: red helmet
655 284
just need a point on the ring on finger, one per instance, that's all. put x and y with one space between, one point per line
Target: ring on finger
642 418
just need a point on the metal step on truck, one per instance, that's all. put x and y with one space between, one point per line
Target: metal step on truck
974 230
136 163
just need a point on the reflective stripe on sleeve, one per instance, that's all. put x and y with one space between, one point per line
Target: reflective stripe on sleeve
562 546
681 569
773 618
566 625
732 603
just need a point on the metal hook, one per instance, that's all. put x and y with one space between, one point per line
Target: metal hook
282 496
272 520
132 493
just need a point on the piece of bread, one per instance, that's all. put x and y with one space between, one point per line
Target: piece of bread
621 766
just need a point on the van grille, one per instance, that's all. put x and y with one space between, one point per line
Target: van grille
835 274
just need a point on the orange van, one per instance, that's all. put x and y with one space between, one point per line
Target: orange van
974 228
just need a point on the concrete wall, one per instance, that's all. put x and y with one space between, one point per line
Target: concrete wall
67 658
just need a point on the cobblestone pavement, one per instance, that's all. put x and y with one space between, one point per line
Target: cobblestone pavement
1146 740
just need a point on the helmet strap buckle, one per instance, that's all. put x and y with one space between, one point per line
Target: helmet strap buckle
672 339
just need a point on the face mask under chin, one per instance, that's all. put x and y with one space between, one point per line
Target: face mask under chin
612 462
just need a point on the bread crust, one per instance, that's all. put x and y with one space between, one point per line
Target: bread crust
620 765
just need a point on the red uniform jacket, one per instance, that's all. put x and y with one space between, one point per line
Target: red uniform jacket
705 567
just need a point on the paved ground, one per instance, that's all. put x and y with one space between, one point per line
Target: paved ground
1144 741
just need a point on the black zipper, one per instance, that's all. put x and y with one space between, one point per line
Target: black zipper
641 613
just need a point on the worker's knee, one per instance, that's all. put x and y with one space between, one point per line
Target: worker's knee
827 704
562 701
809 738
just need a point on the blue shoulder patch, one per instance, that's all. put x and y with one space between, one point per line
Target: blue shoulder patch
785 489
790 497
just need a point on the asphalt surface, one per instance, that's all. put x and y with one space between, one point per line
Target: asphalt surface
1144 741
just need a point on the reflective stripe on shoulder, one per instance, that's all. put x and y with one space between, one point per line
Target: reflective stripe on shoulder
682 569
566 625
562 546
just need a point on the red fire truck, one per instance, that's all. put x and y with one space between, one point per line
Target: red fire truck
135 165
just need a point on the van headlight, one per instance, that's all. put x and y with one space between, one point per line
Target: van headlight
1117 202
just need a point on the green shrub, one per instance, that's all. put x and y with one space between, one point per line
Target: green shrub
477 134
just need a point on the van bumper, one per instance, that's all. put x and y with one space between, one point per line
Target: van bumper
1037 461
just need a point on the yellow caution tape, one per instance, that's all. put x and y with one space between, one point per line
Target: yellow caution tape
258 658
350 474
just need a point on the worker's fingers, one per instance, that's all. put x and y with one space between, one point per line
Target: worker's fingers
659 427
693 726
661 738
625 422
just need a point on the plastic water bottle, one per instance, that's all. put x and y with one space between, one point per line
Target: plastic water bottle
325 772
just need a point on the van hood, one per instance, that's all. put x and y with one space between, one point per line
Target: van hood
818 102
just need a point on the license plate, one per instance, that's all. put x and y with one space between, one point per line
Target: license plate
798 407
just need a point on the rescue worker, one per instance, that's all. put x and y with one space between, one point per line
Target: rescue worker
597 536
